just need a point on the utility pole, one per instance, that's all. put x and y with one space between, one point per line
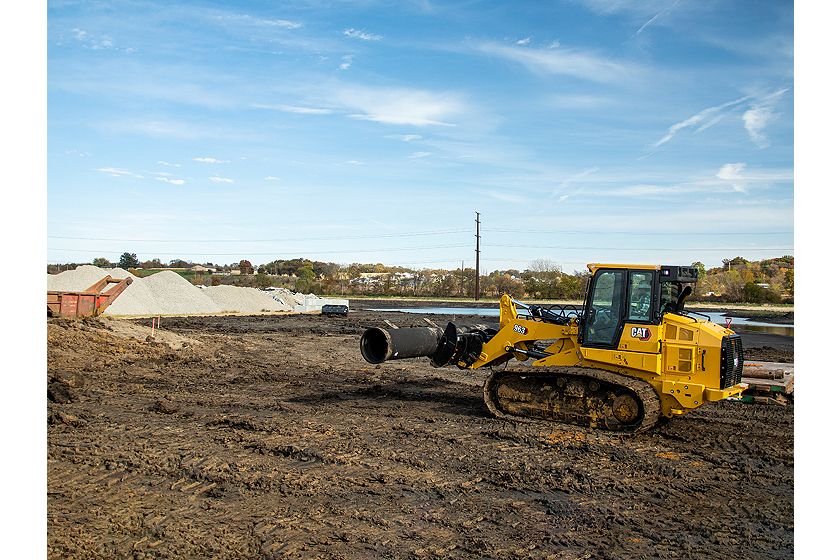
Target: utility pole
477 251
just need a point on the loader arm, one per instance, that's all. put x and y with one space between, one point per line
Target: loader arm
516 338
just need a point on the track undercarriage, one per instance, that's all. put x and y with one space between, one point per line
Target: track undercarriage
573 395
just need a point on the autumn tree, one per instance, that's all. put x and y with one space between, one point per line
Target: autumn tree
129 260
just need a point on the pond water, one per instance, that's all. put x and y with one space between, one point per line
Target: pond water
738 323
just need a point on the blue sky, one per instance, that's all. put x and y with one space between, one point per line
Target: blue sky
583 131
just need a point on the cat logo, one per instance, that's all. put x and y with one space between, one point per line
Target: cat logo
642 333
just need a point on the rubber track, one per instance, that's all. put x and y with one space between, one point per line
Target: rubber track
645 392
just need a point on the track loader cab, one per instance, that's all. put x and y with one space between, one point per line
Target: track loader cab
638 295
634 317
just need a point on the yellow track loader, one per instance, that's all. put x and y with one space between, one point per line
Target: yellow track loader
631 356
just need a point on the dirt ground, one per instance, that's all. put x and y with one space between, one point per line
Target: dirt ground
270 437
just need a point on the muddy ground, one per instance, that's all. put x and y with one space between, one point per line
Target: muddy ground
269 437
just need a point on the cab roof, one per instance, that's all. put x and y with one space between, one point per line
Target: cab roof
595 266
667 273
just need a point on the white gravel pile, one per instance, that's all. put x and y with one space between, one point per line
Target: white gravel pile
83 278
169 293
175 295
245 300
136 299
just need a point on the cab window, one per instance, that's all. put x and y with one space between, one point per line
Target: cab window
669 295
641 286
605 310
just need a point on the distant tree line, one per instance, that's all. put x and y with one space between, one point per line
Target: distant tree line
740 280
735 280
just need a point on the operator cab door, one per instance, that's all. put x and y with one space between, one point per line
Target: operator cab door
605 310
613 308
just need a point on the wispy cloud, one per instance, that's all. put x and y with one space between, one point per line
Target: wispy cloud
731 173
418 155
617 6
759 115
210 160
117 172
217 179
566 183
728 178
171 181
505 196
264 22
523 42
167 129
363 35
581 101
656 16
294 109
284 23
563 61
400 105
271 178
97 42
167 164
409 137
700 120
347 62
756 118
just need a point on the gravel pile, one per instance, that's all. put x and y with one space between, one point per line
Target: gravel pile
83 277
169 293
176 295
245 300
136 299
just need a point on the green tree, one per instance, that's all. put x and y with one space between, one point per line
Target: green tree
789 280
262 280
306 278
102 262
129 260
701 269
753 293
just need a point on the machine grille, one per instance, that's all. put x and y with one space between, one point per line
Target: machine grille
731 361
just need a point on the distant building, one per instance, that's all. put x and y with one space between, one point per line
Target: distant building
199 268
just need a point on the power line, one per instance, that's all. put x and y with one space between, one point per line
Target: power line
275 253
645 248
411 234
277 240
669 233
